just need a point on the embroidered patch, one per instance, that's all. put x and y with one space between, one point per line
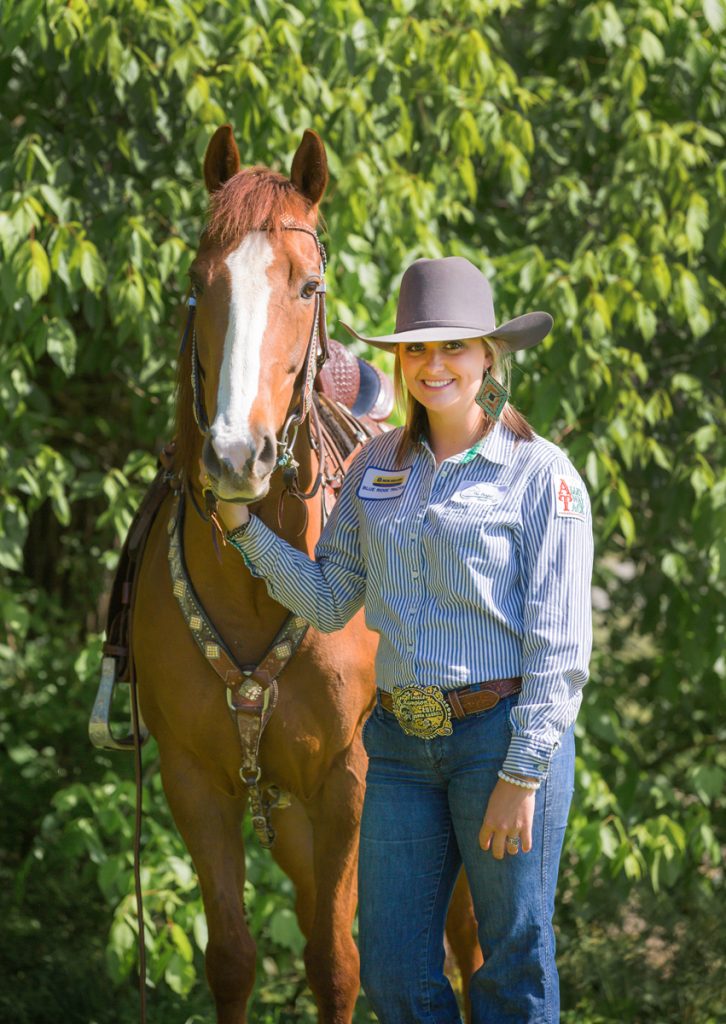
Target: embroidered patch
569 496
381 484
483 494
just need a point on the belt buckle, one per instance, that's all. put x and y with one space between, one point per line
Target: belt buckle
422 711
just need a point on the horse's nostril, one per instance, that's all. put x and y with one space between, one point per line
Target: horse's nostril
267 455
210 458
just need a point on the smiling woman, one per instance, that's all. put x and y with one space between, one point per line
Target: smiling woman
418 377
461 535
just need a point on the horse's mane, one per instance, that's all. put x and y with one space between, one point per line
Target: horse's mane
255 199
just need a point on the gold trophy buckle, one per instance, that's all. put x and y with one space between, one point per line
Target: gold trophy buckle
422 711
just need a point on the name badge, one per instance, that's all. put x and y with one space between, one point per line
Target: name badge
382 484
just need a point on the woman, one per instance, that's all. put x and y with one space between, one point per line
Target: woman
468 539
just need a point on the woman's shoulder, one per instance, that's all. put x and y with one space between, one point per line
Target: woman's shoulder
539 455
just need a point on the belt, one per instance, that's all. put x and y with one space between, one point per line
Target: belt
466 701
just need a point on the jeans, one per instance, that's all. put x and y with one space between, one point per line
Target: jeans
424 806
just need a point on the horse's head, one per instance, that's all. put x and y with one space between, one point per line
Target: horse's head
255 282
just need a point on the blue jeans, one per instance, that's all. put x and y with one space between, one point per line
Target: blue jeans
424 806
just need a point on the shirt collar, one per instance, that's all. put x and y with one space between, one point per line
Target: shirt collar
497 446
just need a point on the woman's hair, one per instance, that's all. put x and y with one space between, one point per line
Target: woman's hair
416 424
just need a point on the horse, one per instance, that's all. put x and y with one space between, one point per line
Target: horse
243 391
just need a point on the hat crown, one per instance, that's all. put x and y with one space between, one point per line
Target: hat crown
447 292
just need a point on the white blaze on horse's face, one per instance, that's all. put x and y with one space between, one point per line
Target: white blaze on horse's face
239 376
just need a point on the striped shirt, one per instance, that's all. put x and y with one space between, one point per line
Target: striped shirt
476 569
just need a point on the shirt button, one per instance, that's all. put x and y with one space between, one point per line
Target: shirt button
414 574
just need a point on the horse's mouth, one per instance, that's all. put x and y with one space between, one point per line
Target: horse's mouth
242 492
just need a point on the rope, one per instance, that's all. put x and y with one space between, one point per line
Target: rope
137 845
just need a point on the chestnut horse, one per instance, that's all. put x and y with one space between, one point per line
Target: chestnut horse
255 286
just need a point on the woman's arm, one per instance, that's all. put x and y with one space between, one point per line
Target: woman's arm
328 590
556 566
556 569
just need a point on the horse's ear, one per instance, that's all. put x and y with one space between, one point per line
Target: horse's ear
309 171
221 161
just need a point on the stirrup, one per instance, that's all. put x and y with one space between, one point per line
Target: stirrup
99 724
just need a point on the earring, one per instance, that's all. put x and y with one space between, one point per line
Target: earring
492 396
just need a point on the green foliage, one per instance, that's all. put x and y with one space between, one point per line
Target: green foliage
575 152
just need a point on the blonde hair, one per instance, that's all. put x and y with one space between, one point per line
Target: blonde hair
416 423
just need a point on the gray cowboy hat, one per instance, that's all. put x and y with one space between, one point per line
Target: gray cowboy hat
450 300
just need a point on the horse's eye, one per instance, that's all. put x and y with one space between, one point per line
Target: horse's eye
309 288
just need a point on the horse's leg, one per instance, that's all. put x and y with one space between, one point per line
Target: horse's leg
331 956
461 936
293 851
210 824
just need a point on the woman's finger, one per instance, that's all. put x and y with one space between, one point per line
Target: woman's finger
526 837
485 836
512 843
498 844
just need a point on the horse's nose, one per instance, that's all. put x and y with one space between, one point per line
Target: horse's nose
254 456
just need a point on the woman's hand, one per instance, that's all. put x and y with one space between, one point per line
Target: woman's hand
510 812
230 513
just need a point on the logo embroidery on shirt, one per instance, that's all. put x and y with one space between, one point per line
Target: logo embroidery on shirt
380 484
474 491
569 496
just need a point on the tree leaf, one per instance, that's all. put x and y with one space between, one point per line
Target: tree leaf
715 12
37 276
61 344
93 270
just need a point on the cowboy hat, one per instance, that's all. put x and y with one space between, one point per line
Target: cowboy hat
450 300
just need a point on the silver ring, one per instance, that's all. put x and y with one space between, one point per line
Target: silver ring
513 841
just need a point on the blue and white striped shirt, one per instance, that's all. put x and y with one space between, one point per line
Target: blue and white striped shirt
473 570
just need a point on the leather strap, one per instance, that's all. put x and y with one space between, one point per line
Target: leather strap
251 689
466 701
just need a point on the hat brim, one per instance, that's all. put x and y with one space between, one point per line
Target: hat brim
521 332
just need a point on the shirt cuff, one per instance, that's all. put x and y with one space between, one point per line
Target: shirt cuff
527 757
257 545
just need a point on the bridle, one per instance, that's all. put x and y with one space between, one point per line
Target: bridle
315 358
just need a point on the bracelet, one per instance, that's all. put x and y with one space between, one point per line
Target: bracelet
232 535
518 782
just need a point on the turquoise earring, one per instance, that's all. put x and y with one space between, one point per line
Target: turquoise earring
492 396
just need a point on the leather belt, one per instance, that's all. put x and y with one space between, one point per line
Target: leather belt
466 701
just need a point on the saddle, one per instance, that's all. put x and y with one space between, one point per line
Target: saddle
359 386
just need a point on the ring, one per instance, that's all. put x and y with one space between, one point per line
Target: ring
513 841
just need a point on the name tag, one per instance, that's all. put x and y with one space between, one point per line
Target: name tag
382 484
